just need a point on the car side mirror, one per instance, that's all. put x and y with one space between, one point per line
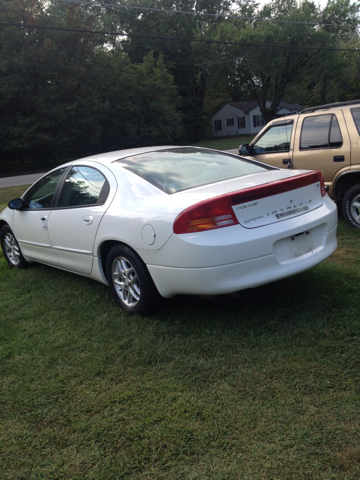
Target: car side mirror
246 150
16 204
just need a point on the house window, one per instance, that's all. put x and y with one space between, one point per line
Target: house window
218 126
230 122
241 122
258 121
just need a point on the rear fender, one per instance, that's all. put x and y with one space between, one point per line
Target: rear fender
345 179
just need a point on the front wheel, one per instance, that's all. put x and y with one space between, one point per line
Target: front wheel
11 249
130 281
351 206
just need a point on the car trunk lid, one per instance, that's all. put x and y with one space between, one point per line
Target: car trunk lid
279 200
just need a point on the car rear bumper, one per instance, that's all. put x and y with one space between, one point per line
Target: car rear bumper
284 261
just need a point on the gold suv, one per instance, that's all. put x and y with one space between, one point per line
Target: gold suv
326 138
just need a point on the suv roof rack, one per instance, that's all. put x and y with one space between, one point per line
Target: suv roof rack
330 105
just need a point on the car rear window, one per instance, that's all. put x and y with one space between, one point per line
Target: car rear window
176 169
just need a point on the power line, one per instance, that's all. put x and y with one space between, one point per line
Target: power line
216 15
177 39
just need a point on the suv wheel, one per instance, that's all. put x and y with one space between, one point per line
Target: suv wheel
351 206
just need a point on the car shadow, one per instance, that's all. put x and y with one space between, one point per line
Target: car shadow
300 299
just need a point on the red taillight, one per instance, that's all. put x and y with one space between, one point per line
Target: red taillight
218 213
207 215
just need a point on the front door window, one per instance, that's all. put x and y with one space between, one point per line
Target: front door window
275 139
41 195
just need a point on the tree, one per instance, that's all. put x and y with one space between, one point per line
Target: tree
41 86
142 103
65 94
266 72
188 62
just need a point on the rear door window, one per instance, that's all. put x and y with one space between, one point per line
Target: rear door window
321 131
83 186
41 195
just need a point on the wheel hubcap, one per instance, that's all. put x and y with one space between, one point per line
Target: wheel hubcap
12 250
355 209
126 281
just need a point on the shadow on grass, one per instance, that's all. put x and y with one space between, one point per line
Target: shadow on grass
318 295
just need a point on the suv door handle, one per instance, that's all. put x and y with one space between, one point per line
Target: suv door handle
287 161
339 158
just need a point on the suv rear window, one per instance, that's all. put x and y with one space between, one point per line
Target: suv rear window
356 116
321 131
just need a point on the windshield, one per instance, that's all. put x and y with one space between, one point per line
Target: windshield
178 169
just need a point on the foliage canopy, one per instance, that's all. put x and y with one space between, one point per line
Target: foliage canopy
160 77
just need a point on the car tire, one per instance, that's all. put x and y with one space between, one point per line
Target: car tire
351 206
130 281
11 249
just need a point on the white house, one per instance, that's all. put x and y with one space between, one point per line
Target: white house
245 118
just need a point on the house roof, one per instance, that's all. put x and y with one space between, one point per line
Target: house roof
247 107
291 106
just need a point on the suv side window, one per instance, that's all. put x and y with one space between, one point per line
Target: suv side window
276 139
355 112
84 186
321 131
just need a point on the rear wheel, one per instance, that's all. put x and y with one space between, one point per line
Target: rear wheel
351 206
11 249
130 281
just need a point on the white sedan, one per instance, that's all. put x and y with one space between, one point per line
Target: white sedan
170 221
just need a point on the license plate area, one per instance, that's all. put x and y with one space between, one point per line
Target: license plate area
293 248
278 208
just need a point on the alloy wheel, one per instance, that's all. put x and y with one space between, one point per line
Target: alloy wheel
355 208
12 250
126 282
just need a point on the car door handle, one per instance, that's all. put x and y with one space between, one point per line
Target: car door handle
88 219
43 221
339 158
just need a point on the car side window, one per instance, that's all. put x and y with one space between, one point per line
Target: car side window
321 131
41 194
83 186
276 139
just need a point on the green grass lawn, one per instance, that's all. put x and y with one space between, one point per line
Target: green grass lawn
225 143
263 386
